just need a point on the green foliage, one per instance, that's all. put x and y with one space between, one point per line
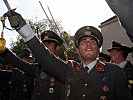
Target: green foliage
18 45
69 41
40 26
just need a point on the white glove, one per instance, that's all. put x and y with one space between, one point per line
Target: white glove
123 9
17 22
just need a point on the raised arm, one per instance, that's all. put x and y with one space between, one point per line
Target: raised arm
18 63
50 64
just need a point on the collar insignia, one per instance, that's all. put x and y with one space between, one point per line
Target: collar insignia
100 67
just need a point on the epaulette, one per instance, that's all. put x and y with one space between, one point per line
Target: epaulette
100 67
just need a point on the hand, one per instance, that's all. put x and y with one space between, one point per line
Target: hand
15 19
17 22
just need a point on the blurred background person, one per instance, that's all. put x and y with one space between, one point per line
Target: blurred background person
20 83
118 53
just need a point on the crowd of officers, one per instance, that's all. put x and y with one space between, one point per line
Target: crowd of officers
102 77
26 81
17 83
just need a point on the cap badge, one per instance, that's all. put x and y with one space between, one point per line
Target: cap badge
88 28
87 33
46 38
46 32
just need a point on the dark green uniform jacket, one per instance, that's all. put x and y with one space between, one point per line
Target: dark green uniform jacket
128 70
105 81
45 86
21 84
4 87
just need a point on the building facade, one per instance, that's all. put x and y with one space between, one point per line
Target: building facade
112 30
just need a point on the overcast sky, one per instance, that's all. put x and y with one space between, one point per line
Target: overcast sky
73 13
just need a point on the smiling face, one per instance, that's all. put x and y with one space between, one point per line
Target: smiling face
88 49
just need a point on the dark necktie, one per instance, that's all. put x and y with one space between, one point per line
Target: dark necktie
86 68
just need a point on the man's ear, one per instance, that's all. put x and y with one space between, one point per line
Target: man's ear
57 47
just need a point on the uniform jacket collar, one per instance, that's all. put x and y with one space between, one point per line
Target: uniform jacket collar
94 72
128 66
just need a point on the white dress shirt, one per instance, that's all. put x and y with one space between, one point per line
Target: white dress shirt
91 65
122 64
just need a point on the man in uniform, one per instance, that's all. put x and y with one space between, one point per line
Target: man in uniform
21 84
91 80
46 87
119 53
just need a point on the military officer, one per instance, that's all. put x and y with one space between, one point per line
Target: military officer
119 53
92 80
21 84
45 86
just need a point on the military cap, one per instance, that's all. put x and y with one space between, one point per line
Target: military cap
88 31
119 46
25 53
104 56
51 36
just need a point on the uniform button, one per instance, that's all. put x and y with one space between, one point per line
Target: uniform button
83 95
85 85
